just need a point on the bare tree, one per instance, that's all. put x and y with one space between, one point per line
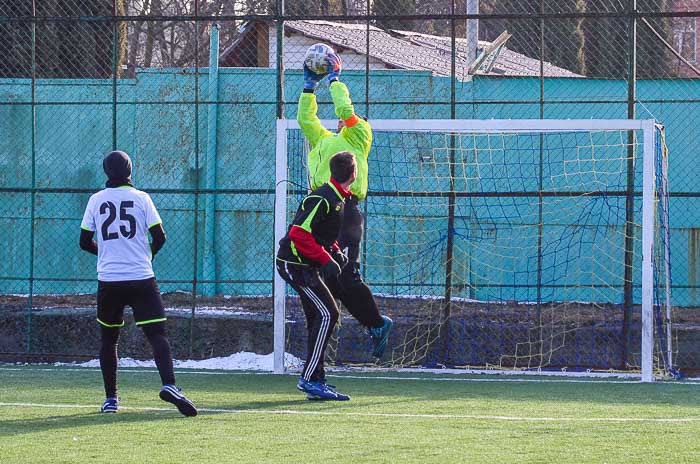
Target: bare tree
180 42
74 48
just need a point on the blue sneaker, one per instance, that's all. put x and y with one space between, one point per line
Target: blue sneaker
312 397
319 391
323 381
330 387
379 336
110 405
172 394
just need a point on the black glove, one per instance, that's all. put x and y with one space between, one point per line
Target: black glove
331 269
339 258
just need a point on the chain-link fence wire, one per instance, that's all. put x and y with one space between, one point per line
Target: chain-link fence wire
75 83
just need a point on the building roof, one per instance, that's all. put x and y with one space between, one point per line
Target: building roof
508 62
412 50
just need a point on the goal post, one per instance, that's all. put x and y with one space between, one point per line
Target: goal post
493 243
648 250
280 224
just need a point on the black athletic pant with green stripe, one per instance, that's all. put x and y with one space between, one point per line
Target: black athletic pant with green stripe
321 314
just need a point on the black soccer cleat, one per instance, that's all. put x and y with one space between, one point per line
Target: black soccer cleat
172 394
379 336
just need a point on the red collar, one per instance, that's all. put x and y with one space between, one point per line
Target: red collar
341 190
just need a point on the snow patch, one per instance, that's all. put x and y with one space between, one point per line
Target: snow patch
212 311
243 360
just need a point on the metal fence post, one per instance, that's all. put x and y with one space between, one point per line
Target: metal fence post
195 219
364 203
30 301
540 200
447 310
629 198
115 59
210 274
280 59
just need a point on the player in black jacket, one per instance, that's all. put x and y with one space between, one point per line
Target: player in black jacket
310 248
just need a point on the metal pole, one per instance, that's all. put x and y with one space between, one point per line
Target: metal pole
115 31
280 59
30 301
629 202
367 65
451 206
210 166
472 31
364 203
195 267
540 219
660 150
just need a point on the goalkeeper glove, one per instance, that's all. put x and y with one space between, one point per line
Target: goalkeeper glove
339 257
335 64
311 79
331 269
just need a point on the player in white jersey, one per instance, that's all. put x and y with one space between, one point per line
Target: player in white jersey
121 216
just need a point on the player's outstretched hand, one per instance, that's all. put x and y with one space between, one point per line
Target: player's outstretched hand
331 269
340 258
335 64
311 79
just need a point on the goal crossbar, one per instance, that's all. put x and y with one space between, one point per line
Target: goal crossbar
490 125
646 126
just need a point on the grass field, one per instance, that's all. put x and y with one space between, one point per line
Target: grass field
49 414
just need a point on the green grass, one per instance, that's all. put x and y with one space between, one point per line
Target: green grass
262 418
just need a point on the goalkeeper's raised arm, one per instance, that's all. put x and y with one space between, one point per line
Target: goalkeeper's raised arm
306 111
354 133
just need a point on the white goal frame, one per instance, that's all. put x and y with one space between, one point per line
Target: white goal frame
647 126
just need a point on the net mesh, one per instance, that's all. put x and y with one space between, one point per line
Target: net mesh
502 250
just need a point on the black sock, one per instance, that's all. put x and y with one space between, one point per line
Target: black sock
108 359
161 351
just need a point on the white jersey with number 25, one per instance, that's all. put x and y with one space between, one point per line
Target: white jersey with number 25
120 218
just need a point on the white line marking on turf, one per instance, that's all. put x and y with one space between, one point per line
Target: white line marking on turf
370 414
132 369
491 379
137 370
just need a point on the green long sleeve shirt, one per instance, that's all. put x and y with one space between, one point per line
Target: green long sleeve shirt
356 138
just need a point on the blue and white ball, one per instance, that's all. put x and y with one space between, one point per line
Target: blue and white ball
316 58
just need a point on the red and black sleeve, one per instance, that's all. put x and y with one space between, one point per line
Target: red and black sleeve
314 209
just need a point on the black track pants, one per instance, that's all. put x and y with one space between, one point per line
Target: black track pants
349 287
320 310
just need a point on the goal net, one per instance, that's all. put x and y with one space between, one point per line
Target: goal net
536 245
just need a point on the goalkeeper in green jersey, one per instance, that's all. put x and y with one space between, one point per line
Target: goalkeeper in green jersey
354 135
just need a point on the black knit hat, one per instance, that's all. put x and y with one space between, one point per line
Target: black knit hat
117 166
